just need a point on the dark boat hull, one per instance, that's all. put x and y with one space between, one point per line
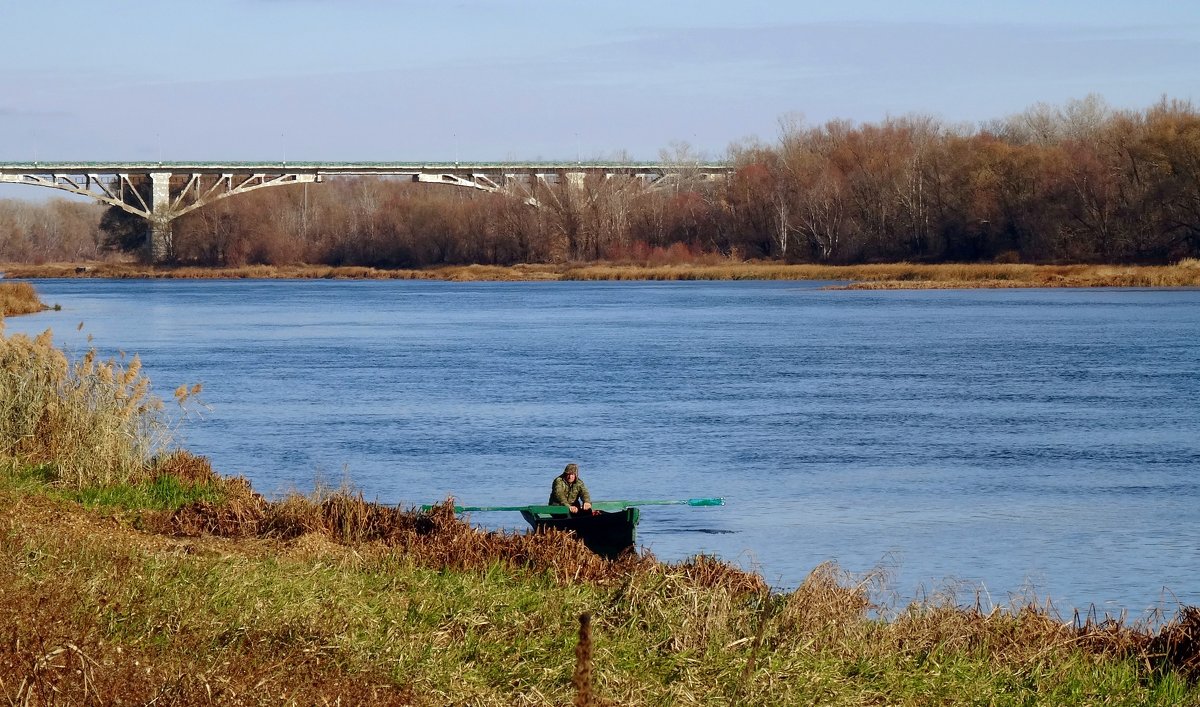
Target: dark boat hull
606 534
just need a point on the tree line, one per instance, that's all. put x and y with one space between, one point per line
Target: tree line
1076 183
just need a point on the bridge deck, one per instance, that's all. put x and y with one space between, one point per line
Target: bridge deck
333 168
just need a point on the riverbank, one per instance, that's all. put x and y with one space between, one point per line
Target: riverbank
197 592
1186 273
133 573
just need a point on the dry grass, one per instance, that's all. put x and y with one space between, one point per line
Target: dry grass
828 612
307 600
90 422
53 651
1185 273
19 298
437 538
1182 274
119 270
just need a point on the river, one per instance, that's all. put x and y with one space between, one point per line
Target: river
1012 443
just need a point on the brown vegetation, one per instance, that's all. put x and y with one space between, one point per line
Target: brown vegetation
1079 184
51 651
828 604
1185 273
93 420
54 230
436 538
18 298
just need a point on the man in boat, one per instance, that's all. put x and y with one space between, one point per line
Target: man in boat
570 491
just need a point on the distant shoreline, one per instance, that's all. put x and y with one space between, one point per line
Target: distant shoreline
1186 273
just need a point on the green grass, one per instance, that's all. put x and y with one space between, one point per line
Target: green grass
163 493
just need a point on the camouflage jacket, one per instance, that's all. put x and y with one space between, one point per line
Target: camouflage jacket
564 494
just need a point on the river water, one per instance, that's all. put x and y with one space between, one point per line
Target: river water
1009 442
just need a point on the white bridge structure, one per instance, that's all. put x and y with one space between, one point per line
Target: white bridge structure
160 192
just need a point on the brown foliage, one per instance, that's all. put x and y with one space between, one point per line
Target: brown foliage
46 231
709 572
19 298
435 538
188 468
1177 645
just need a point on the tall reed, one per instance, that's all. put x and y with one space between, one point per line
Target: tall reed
88 422
19 298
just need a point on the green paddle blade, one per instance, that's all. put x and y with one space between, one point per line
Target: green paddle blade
679 502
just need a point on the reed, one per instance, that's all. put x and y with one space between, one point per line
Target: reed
19 298
93 422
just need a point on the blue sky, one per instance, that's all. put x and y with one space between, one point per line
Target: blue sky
522 80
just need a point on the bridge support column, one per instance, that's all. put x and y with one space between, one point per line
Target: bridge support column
158 237
159 245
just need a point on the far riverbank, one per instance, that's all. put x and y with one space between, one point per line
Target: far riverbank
1185 273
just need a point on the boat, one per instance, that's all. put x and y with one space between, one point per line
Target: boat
608 534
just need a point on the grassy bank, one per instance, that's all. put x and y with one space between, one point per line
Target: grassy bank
308 600
1186 273
132 572
114 600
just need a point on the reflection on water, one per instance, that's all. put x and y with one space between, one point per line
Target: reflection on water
1002 438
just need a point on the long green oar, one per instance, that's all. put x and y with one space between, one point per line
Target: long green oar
599 505
681 502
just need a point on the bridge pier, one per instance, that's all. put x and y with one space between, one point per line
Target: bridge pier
159 247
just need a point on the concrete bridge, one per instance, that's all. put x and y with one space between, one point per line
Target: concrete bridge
160 192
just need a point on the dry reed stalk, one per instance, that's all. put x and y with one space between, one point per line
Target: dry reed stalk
827 610
94 422
1177 645
768 608
189 469
18 298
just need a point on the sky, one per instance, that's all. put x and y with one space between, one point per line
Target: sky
515 80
